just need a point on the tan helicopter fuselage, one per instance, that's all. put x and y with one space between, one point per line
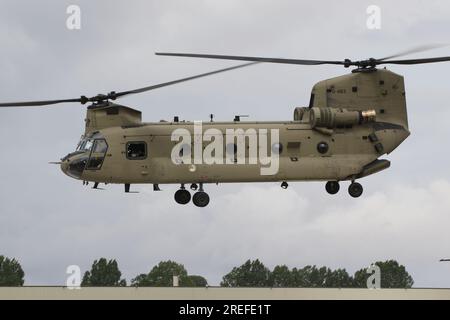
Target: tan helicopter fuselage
359 117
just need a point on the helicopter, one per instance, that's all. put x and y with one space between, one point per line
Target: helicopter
350 123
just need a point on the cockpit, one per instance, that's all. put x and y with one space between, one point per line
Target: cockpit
89 155
85 144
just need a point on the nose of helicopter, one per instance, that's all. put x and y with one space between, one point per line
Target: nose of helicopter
64 166
73 165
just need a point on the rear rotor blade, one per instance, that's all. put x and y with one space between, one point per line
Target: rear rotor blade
255 59
368 63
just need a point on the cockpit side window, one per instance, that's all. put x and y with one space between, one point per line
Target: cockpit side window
98 153
100 146
136 150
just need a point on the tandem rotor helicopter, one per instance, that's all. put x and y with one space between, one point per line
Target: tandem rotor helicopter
351 121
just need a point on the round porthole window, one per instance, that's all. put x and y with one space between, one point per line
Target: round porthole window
322 147
185 150
231 149
277 148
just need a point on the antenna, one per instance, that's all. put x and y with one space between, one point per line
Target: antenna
238 117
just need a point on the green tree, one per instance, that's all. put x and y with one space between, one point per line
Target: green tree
196 281
338 279
281 276
316 277
393 275
162 276
310 277
323 277
298 277
103 273
11 273
140 281
250 274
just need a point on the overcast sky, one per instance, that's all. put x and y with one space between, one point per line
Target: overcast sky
49 221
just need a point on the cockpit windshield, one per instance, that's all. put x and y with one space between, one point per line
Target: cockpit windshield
85 145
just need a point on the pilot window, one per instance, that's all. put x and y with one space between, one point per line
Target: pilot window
136 150
100 146
97 156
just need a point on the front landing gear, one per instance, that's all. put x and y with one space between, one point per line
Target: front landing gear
332 187
355 189
182 196
200 198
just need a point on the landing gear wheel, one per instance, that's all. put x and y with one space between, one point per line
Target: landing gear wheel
201 199
182 196
332 187
355 189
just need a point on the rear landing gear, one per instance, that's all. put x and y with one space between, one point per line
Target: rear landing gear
182 196
201 198
332 187
355 189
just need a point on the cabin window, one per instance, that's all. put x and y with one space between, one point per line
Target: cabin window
322 147
277 148
185 150
231 150
136 150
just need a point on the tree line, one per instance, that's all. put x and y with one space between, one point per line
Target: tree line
253 273
256 274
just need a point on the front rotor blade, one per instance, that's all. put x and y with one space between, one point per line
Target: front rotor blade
165 84
255 59
415 61
115 95
36 103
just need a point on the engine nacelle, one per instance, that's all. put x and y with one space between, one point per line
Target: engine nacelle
337 117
